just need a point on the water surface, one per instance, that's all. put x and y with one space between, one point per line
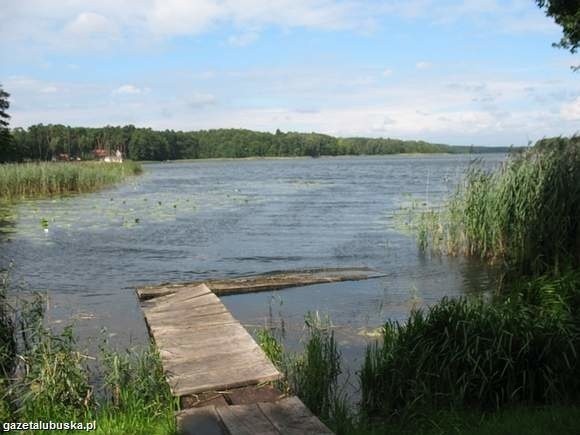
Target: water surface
212 219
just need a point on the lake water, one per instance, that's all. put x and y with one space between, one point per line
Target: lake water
210 219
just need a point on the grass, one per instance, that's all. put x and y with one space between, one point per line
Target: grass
416 388
524 217
463 354
553 420
48 378
313 374
36 180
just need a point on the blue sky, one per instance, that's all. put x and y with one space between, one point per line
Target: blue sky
463 72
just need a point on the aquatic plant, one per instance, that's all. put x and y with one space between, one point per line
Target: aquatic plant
472 354
46 377
524 216
7 340
33 180
312 375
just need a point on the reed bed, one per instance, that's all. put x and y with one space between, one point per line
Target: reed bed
463 354
524 216
35 180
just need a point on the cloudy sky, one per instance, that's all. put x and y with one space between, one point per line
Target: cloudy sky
462 72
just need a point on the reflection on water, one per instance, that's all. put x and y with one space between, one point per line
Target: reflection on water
211 219
7 220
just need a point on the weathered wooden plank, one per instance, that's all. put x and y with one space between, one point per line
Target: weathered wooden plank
246 420
238 373
200 421
199 322
291 417
185 294
206 343
215 335
210 380
193 315
265 282
154 291
177 359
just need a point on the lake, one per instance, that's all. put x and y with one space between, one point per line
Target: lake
222 218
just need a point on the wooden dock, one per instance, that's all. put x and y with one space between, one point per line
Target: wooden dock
266 282
214 366
202 347
287 416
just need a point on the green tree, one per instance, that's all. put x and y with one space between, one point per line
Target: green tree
566 13
7 151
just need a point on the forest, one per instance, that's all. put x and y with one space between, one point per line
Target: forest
45 142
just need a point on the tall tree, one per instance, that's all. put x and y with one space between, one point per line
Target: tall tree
566 13
6 143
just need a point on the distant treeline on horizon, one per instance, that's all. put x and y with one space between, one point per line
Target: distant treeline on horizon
44 142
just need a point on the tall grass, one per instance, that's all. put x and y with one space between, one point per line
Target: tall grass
312 375
524 216
47 377
472 354
34 180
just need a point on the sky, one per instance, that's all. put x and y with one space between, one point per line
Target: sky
479 72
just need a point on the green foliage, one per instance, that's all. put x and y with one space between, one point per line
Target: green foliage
42 142
566 13
313 374
473 354
7 339
29 180
7 151
138 399
271 346
56 384
135 381
552 420
524 216
46 378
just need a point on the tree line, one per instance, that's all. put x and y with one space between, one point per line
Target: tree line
44 142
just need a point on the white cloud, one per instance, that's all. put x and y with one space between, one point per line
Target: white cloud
182 17
422 65
88 23
137 22
387 72
571 111
185 17
129 90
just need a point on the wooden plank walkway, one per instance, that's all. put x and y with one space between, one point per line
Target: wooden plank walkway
202 347
288 416
213 364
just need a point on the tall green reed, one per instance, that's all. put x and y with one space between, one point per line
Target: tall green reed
312 375
48 378
33 180
474 354
525 216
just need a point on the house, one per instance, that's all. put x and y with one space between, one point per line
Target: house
106 156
